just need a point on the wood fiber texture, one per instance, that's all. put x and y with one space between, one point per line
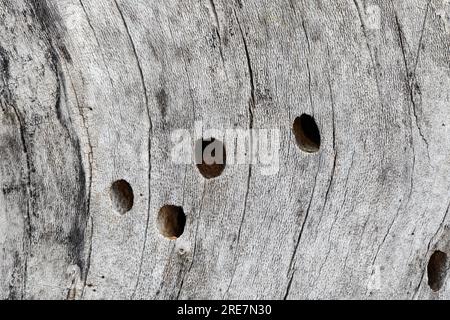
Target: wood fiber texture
91 91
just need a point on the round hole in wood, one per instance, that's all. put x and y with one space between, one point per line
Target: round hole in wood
171 221
437 270
122 196
307 133
210 157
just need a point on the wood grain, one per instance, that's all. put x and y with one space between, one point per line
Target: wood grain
91 91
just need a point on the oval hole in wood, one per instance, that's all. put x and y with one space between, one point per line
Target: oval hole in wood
437 270
122 196
307 133
171 221
210 157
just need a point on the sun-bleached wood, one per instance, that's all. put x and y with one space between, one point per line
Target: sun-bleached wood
91 90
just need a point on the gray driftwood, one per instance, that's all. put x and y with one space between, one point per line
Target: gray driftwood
91 90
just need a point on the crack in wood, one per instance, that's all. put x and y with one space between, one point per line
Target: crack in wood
411 74
6 94
146 100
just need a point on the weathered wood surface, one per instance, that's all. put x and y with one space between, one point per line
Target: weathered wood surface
91 90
